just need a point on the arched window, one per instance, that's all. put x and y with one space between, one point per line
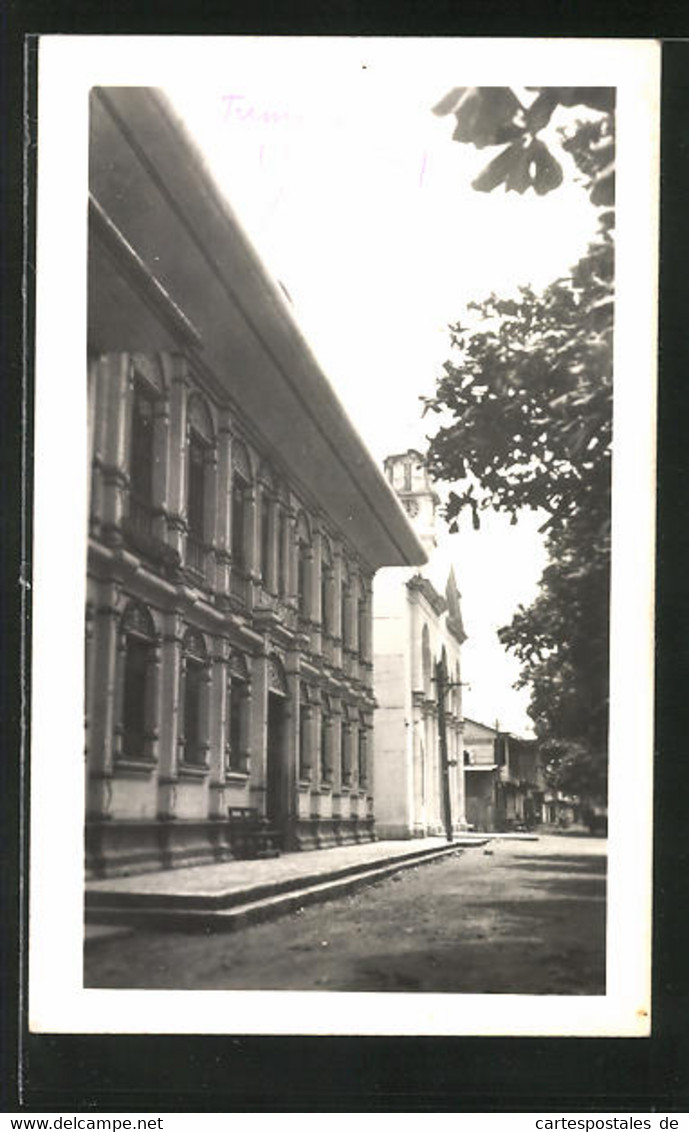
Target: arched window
326 726
305 716
426 661
142 452
326 588
283 529
362 620
304 562
266 562
238 703
241 483
344 751
200 445
362 752
344 607
194 666
138 644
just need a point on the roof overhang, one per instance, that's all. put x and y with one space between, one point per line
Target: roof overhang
172 269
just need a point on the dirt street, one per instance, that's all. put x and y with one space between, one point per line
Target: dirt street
518 917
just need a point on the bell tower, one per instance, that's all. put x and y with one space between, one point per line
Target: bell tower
408 475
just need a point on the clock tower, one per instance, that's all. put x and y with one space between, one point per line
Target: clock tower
408 475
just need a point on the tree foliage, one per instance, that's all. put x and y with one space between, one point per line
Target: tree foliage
492 116
526 422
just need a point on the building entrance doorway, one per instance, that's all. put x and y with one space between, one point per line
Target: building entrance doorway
276 763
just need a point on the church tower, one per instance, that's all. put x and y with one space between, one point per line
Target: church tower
408 475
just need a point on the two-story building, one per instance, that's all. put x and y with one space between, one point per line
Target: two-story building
417 624
236 522
504 780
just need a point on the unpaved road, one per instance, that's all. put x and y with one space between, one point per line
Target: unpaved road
523 917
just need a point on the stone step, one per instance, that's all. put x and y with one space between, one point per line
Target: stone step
227 911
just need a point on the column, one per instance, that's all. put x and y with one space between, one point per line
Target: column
102 711
115 376
171 723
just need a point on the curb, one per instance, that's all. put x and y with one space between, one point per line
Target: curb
253 906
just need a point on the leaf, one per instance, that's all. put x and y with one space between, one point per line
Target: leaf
540 112
449 102
498 170
483 112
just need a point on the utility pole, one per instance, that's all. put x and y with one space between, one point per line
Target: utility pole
441 686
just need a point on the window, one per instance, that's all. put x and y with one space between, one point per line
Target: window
265 538
239 487
195 661
304 733
344 753
426 661
141 458
326 590
361 612
326 768
238 706
139 643
200 444
344 607
196 498
236 697
362 767
303 567
135 688
196 488
282 553
240 515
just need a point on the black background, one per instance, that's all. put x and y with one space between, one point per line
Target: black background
79 1073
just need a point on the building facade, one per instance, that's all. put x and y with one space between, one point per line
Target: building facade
235 524
415 626
504 780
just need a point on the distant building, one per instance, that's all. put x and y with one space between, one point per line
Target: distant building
415 624
236 522
504 781
480 774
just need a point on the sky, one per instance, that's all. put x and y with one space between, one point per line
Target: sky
360 203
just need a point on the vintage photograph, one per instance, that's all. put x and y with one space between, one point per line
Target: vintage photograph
354 447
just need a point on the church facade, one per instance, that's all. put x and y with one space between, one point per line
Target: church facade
236 522
416 625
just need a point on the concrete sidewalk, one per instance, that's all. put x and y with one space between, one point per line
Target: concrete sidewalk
231 893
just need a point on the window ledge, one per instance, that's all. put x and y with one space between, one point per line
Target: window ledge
192 770
236 777
134 768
